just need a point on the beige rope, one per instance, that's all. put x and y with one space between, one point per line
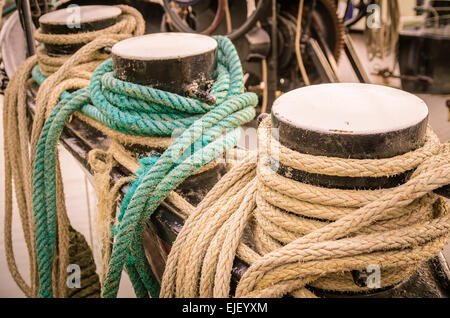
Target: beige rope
20 144
129 22
310 235
102 163
17 168
89 213
212 211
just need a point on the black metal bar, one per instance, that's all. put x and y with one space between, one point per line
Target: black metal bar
312 8
23 7
273 61
354 60
320 61
331 61
362 12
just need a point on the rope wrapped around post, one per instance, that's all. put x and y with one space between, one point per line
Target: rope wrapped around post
131 109
20 142
308 235
129 22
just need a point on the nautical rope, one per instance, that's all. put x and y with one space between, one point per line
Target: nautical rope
20 145
209 130
15 132
307 235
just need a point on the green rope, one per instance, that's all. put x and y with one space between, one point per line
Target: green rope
8 10
39 78
208 131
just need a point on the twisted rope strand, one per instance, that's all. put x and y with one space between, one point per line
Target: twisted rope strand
129 22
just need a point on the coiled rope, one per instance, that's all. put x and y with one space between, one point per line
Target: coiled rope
140 111
20 145
129 22
308 235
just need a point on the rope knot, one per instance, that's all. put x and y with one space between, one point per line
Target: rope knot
101 161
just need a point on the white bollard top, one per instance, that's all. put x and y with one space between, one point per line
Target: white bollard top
80 14
164 46
350 108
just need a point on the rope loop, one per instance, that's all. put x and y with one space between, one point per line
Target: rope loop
100 161
355 167
130 23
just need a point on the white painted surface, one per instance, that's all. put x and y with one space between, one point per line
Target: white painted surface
80 14
12 33
162 46
350 108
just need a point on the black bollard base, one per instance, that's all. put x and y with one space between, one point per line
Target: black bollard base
76 19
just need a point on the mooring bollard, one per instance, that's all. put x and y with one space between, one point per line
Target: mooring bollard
355 121
169 61
352 121
76 19
179 63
